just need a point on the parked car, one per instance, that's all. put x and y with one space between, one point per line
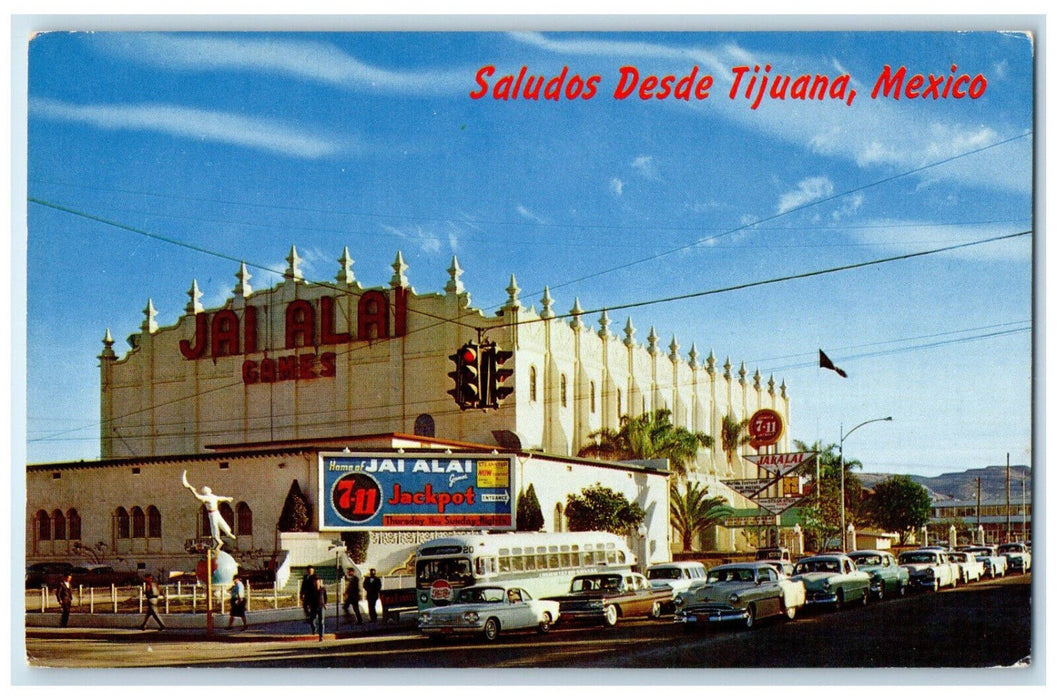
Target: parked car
745 593
779 557
677 575
832 579
488 610
96 575
994 563
1017 555
887 577
969 568
929 568
46 573
605 598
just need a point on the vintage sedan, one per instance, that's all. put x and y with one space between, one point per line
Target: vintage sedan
832 579
605 598
488 609
677 575
743 593
887 577
994 563
929 569
968 566
1017 555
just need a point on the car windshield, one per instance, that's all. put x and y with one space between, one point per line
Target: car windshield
1006 548
726 575
823 565
595 583
867 559
665 573
959 556
481 595
917 558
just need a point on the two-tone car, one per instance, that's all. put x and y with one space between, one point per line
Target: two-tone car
779 557
994 563
887 577
742 593
832 579
1018 556
604 598
929 569
676 575
487 610
968 566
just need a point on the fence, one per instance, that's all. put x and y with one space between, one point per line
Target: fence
176 598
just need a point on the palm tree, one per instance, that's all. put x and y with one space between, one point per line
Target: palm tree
733 435
694 511
649 436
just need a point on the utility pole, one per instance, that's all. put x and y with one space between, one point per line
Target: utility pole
977 503
1009 528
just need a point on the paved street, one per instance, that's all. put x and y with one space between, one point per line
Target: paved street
984 625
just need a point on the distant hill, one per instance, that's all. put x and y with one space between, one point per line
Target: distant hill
962 485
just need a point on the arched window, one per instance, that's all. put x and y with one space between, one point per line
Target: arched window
139 523
244 519
558 516
532 383
153 522
564 392
121 523
43 526
73 524
58 525
425 426
227 514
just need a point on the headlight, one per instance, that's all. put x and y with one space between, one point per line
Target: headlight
929 573
678 600
471 617
423 619
734 599
825 585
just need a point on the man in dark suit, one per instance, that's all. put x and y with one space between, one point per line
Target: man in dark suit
64 594
372 586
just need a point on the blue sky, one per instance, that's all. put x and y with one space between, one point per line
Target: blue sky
242 145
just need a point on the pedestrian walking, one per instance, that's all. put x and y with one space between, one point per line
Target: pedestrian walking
308 587
151 592
238 601
64 594
318 607
352 595
372 586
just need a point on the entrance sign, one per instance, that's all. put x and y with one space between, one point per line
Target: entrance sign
782 463
750 521
408 492
777 505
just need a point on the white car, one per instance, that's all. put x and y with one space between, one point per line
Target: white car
677 575
994 563
929 568
971 569
1017 555
487 610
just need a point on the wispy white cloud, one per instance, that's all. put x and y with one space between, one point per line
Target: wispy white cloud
190 123
303 59
427 241
616 186
645 167
896 236
525 213
807 190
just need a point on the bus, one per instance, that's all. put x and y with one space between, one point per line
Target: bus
542 563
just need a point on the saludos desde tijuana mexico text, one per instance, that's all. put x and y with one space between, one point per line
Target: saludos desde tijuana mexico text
751 84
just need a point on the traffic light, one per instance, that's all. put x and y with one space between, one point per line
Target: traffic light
497 376
467 390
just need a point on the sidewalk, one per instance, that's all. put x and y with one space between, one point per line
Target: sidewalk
294 629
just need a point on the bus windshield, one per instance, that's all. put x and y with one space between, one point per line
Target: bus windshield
455 571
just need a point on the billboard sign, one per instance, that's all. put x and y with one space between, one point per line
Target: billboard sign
765 427
408 492
781 463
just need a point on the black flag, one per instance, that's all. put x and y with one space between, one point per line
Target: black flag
826 363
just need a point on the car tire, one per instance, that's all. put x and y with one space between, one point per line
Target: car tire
491 629
610 615
750 620
655 611
545 623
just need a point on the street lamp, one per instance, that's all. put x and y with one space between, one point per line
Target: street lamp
843 534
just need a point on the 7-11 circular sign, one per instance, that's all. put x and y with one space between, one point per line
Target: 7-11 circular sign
765 427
